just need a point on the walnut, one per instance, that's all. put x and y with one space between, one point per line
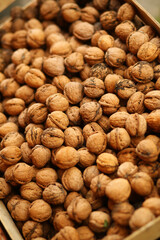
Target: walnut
142 183
90 129
25 93
99 221
53 65
61 220
83 31
125 12
100 70
57 102
43 92
70 12
109 103
12 139
147 150
126 170
118 190
14 106
19 39
142 72
122 212
20 56
100 5
30 191
73 137
118 139
32 229
86 158
11 155
40 155
145 87
105 42
45 177
61 48
19 209
67 232
89 14
90 111
5 188
33 23
115 56
89 173
104 123
73 91
20 72
69 198
153 120
96 36
135 103
35 38
124 29
98 184
96 143
148 52
79 209
34 78
94 55
110 82
118 119
72 179
22 173
66 157
53 38
95 201
8 87
107 163
140 217
108 20
85 233
52 137
54 194
40 210
136 125
57 119
149 30
51 28
131 59
152 204
93 87
152 100
49 10
33 136
60 81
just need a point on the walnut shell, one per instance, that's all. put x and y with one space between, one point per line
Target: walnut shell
107 163
40 210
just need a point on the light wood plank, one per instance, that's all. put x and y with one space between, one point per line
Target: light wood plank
8 223
5 3
151 231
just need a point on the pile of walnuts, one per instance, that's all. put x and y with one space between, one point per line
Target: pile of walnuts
79 120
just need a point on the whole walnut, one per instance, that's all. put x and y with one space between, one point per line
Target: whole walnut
115 57
89 173
147 150
99 221
73 137
99 70
90 111
142 72
74 62
19 39
148 51
109 103
153 204
118 190
93 87
19 209
73 91
91 128
85 233
89 14
35 38
94 55
125 12
25 93
20 72
66 157
46 176
108 20
98 184
72 179
83 30
110 82
39 210
49 10
97 142
40 155
12 139
86 158
79 209
57 119
118 119
33 136
11 155
61 48
8 87
67 232
152 100
22 173
141 183
31 191
135 103
34 78
136 125
53 65
14 106
32 229
140 217
125 88
107 163
153 120
126 170
124 29
57 102
61 220
118 139
43 92
54 194
52 137
122 212
5 188
70 12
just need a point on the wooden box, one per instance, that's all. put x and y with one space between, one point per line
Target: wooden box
150 231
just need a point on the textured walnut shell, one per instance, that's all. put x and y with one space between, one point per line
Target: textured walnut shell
109 103
79 209
107 163
97 142
44 92
126 170
118 119
74 62
86 158
57 119
153 204
33 136
90 111
108 20
135 103
99 221
85 233
99 183
136 125
14 106
147 150
61 48
118 139
52 137
10 155
40 155
125 12
53 65
124 29
115 57
66 157
142 183
89 173
73 137
72 179
94 55
152 100
90 129
35 38
148 51
93 87
140 217
8 87
34 78
40 210
142 72
22 173
32 229
70 12
73 91
31 191
153 120
122 212
61 220
54 194
125 88
67 232
57 102
5 188
83 31
45 177
118 190
135 40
